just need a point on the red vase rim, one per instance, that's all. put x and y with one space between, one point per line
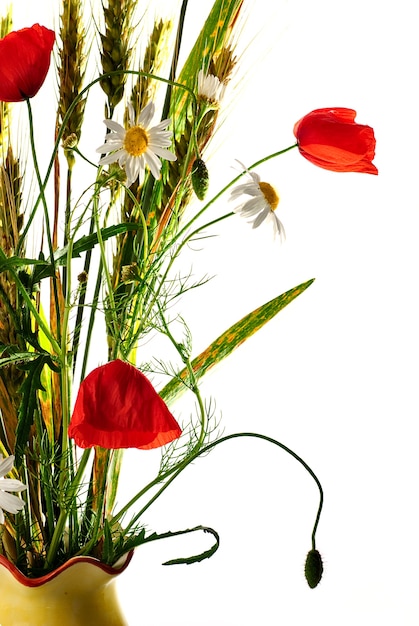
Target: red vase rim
41 580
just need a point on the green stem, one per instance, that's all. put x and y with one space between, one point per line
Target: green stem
42 186
65 463
67 219
105 269
68 497
120 338
98 504
175 58
81 305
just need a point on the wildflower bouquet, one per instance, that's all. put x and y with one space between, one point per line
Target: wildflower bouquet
99 268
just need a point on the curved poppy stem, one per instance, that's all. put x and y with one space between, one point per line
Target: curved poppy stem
209 447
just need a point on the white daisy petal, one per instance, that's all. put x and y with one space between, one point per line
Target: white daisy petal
261 217
112 139
9 502
109 147
252 207
131 114
146 115
103 148
112 125
251 190
279 229
161 127
109 158
123 156
141 168
163 153
255 177
131 169
242 166
9 484
153 163
159 141
6 464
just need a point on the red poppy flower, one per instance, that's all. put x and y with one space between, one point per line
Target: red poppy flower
117 407
330 138
25 56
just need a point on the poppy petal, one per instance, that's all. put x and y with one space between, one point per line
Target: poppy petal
331 139
25 57
118 407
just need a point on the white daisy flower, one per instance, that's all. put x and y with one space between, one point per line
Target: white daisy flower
261 205
8 502
210 87
137 146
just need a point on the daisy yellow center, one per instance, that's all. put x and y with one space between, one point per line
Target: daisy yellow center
136 141
270 194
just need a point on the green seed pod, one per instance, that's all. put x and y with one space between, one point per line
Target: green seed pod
200 179
313 569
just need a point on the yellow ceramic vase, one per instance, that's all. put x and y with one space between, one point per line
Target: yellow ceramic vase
79 593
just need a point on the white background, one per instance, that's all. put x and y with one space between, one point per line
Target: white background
334 376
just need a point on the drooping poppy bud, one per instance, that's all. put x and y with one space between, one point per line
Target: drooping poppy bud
117 407
25 57
313 569
331 139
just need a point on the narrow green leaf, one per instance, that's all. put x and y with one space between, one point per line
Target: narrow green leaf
17 261
211 39
87 242
198 557
15 356
231 339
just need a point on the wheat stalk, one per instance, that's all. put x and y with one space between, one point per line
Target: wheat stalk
71 69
